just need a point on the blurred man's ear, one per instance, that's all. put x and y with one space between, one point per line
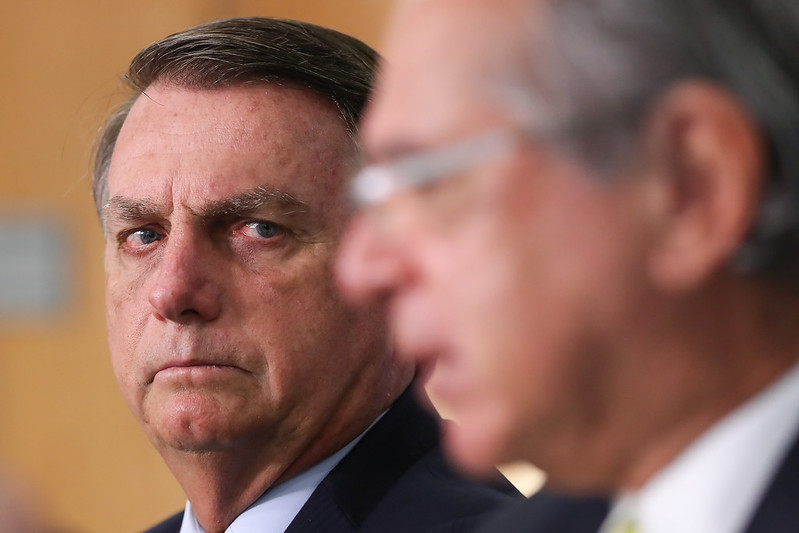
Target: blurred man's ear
710 161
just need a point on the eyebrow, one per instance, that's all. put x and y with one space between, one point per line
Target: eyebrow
129 209
253 200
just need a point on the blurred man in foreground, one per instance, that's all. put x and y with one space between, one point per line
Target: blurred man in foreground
586 213
221 188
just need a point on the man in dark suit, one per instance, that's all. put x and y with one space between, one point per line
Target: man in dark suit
394 480
220 186
586 212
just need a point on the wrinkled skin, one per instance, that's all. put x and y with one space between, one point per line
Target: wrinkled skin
226 331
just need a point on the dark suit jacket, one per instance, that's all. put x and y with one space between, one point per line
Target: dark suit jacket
548 512
395 480
777 512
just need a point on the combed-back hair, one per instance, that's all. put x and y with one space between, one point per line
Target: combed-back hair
241 51
607 61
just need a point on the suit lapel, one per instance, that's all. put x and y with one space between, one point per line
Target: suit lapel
170 525
321 513
357 484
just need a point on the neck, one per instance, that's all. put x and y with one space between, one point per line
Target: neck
219 486
689 365
718 353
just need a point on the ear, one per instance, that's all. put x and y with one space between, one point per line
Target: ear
710 161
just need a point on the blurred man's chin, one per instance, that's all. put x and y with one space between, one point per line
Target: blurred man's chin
475 449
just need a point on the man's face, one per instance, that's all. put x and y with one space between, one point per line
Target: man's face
512 276
224 324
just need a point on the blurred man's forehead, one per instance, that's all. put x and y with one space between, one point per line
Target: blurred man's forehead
440 81
443 27
484 8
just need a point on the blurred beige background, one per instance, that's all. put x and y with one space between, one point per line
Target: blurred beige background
66 436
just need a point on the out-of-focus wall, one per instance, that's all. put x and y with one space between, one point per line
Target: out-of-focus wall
65 433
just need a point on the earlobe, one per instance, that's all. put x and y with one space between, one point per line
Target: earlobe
710 154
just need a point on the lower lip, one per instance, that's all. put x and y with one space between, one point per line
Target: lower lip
194 371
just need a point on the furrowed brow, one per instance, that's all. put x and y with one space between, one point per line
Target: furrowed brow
124 210
127 209
259 198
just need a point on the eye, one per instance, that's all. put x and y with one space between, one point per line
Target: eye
261 229
139 239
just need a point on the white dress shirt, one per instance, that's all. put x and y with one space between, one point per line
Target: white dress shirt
715 485
274 511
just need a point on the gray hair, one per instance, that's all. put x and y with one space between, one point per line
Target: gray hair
246 50
605 62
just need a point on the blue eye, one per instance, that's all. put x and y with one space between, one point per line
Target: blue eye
148 236
264 230
141 238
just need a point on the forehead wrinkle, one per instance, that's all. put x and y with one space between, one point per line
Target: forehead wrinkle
196 139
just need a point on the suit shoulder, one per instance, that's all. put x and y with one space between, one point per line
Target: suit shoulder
546 512
432 497
170 525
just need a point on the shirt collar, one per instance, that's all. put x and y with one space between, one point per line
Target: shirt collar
274 511
716 483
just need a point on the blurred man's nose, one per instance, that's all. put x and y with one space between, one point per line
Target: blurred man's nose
369 263
185 287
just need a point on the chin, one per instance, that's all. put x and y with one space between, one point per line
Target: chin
474 449
192 424
191 439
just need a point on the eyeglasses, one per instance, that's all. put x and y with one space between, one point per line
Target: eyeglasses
375 184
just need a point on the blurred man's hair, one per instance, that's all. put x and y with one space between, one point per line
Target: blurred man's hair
601 64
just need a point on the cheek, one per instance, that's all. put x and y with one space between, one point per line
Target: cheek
296 312
121 347
513 283
125 290
302 297
126 316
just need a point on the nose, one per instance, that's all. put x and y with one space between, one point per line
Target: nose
185 287
369 263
